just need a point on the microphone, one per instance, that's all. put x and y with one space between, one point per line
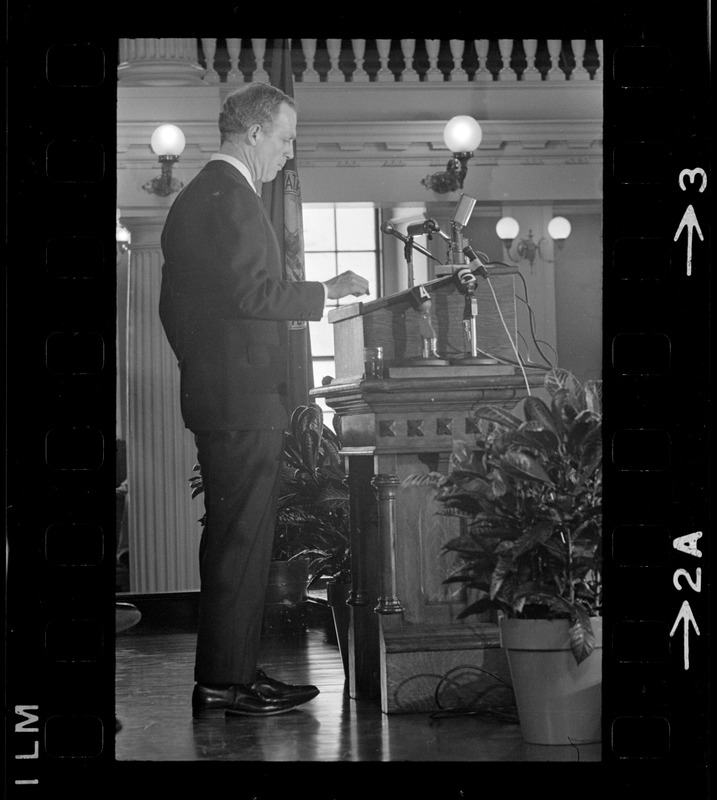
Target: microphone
427 226
387 227
473 256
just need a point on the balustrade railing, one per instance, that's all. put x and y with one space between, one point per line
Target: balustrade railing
380 61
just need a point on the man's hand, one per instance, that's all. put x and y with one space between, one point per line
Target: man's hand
345 284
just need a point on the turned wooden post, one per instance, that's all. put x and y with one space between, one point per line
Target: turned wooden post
360 495
386 486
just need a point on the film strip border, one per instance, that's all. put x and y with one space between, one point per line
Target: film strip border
61 417
60 410
657 401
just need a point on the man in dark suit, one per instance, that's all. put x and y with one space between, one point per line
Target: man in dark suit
225 307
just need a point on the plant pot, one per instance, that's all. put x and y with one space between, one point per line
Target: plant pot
336 596
559 701
285 600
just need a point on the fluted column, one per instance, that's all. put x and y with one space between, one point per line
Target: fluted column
162 518
159 62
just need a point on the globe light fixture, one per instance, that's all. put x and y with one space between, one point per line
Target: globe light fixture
122 236
167 142
462 135
508 228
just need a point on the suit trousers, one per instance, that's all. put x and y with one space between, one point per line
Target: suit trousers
241 475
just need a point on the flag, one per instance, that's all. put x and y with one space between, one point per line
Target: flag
282 200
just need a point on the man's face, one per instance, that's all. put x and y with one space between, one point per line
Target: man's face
275 148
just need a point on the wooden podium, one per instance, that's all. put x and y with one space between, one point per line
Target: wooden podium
407 650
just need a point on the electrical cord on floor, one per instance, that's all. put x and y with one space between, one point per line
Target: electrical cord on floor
505 712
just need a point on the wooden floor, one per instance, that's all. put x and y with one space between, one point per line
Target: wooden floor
153 691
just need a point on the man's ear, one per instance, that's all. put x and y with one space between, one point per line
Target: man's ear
252 134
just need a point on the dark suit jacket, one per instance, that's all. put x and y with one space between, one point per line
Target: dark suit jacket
224 304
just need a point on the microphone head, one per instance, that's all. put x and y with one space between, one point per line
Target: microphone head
387 227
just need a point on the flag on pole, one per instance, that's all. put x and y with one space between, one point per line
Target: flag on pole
282 199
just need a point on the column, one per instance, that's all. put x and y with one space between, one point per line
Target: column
159 62
162 518
386 487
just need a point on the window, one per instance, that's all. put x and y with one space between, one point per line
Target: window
337 237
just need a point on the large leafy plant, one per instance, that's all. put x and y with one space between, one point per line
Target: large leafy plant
530 494
312 519
313 508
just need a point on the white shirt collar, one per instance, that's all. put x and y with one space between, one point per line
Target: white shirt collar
240 165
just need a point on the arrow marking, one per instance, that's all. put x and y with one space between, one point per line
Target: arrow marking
689 221
685 616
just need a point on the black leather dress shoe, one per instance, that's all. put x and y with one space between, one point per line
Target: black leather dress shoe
272 688
236 700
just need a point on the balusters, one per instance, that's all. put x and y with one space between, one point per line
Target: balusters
234 50
141 57
359 75
579 72
531 72
259 48
506 73
333 47
310 75
555 73
209 46
433 74
457 74
482 73
384 74
409 74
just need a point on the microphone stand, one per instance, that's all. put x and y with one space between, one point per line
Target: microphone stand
408 255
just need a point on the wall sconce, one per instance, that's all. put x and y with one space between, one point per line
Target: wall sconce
168 143
122 236
507 229
462 136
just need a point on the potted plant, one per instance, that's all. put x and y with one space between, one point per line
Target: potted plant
312 520
313 512
529 491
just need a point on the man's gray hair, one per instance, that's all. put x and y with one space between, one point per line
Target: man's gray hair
255 104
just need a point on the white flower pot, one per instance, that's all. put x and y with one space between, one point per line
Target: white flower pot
559 701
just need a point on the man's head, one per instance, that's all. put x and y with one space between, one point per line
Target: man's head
257 124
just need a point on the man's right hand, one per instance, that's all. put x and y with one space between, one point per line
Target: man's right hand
345 284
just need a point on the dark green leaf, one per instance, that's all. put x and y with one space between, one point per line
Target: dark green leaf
535 409
526 466
475 608
497 415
